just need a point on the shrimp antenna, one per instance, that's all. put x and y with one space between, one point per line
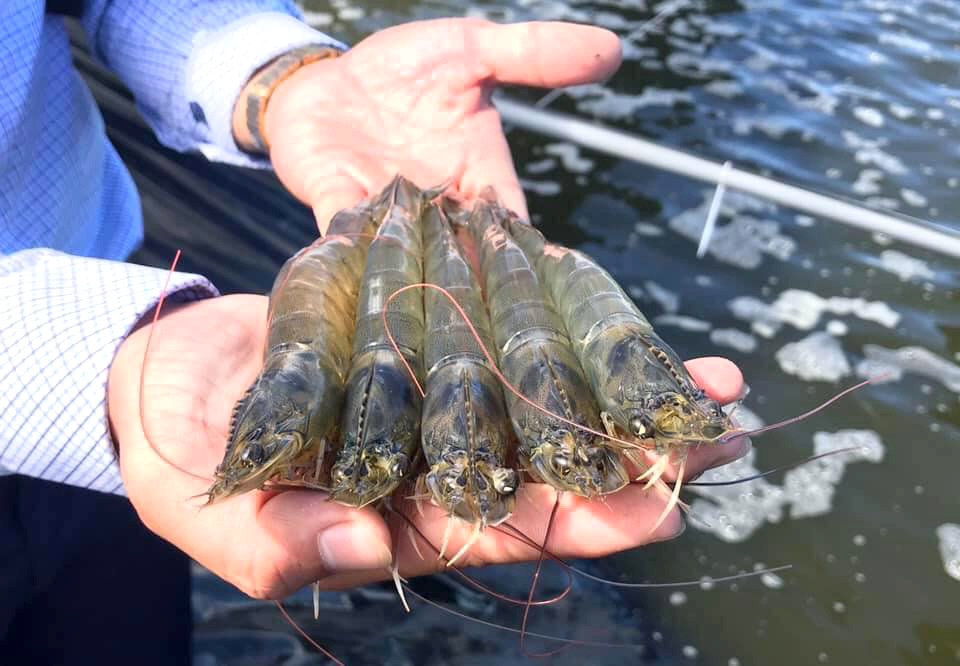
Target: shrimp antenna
781 468
143 375
477 584
723 439
326 653
533 588
493 625
516 534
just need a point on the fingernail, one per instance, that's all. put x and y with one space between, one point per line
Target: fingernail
348 547
680 530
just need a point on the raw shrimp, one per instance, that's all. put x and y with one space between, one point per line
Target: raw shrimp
464 430
280 426
380 423
535 356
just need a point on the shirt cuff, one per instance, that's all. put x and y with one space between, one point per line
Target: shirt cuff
62 319
221 63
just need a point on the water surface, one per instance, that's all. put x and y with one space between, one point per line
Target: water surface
859 99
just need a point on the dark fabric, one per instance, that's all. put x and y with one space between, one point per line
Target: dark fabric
82 581
72 8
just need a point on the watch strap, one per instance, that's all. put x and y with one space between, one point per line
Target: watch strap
266 81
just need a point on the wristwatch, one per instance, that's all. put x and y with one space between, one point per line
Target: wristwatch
265 81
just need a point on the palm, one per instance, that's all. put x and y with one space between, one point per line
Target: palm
201 359
422 112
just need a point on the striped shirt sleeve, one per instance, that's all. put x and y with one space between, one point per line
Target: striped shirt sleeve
186 61
62 319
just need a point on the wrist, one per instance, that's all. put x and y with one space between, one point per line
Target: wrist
249 111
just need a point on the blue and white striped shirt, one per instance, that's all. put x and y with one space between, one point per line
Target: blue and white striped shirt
66 305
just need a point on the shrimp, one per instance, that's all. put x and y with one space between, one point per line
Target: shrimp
280 426
464 429
640 383
536 357
381 415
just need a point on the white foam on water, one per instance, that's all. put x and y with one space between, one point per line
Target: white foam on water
904 266
905 42
317 19
617 106
803 309
683 322
836 327
901 111
744 238
668 300
734 513
539 166
733 338
771 580
948 536
868 151
882 203
918 360
868 115
817 357
570 157
869 447
545 188
913 198
867 182
811 487
647 229
351 13
725 89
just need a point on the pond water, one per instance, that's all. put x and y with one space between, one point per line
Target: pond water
858 99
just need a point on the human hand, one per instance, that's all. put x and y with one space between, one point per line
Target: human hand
415 99
202 358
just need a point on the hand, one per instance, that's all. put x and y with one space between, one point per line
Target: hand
202 358
415 99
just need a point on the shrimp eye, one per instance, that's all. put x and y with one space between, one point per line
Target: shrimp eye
638 427
254 454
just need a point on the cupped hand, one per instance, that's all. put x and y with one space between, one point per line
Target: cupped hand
415 99
202 357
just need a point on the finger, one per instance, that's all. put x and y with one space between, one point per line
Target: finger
333 195
582 528
723 381
490 164
266 545
719 377
548 54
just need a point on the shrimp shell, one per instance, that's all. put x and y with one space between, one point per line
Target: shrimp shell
639 381
380 423
464 429
280 426
535 356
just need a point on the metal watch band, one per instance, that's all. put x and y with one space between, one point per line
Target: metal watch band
267 80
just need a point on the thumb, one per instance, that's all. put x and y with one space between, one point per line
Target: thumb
333 195
306 538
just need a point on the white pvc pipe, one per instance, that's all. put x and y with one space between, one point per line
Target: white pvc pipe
620 144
